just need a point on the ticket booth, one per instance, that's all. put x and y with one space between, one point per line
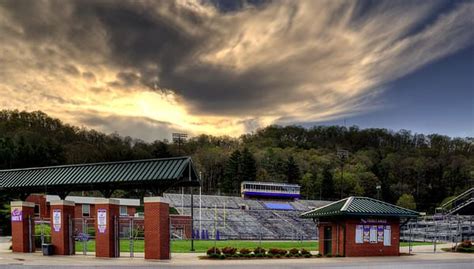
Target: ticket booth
359 226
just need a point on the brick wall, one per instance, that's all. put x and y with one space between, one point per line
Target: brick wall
21 235
39 199
105 242
182 222
62 240
157 236
343 243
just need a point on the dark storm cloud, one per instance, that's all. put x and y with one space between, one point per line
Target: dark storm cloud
286 60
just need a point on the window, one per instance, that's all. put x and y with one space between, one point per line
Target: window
37 210
123 210
86 210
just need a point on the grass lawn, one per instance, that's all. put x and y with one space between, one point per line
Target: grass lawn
180 246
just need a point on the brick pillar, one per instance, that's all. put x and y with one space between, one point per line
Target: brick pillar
106 221
62 214
157 228
23 226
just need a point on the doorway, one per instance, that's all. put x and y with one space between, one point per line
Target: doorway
327 240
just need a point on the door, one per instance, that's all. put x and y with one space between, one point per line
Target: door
327 240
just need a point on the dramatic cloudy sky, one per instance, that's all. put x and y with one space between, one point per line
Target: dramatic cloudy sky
148 68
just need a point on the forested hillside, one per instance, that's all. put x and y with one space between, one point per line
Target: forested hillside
428 168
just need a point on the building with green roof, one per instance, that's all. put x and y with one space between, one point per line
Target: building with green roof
359 226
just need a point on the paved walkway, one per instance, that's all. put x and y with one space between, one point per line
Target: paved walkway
423 258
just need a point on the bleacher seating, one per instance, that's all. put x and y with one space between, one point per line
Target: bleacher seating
239 218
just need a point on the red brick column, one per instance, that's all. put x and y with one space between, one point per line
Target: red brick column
107 213
62 213
23 226
157 228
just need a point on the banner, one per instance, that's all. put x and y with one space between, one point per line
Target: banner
366 233
373 234
17 214
380 233
57 220
102 220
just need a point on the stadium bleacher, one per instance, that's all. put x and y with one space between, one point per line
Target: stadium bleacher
239 218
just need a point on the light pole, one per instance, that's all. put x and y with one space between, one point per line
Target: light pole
378 188
179 138
342 154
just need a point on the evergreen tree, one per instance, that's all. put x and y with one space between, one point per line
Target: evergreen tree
292 171
327 188
249 166
232 173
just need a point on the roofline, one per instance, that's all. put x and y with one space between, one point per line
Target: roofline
321 207
399 207
270 183
92 164
346 204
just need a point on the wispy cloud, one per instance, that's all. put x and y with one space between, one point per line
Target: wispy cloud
188 65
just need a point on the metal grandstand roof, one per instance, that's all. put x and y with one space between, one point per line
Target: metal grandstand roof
143 174
359 206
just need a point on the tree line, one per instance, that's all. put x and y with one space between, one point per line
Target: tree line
381 163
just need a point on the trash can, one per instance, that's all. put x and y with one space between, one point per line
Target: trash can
47 249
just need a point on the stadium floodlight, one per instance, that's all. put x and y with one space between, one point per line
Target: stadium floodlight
342 154
179 138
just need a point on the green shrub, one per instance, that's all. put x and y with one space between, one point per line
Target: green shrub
278 256
222 256
214 255
304 251
236 255
229 250
288 255
319 255
244 251
213 250
298 255
328 255
259 255
307 255
252 255
277 251
259 250
294 251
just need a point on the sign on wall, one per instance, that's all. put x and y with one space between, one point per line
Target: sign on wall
17 214
373 234
102 220
366 233
387 236
380 233
57 220
359 234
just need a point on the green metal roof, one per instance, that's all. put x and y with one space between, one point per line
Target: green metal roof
112 175
359 206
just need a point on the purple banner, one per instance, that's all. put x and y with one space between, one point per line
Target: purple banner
17 215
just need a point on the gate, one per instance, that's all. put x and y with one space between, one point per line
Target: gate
41 232
131 233
84 235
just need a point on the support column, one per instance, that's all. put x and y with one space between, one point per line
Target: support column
23 226
106 228
62 214
157 228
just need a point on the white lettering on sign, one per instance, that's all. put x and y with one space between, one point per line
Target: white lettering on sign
57 220
102 220
373 221
17 214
